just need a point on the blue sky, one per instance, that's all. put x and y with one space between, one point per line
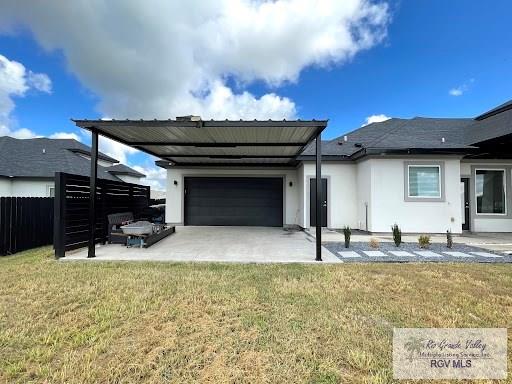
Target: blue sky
430 58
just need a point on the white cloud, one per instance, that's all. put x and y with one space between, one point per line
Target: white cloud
65 135
112 148
162 59
456 91
169 58
375 119
155 176
39 81
461 89
222 103
116 150
22 133
16 81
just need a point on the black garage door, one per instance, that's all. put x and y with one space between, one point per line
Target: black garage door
244 201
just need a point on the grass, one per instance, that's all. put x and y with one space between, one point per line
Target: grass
79 322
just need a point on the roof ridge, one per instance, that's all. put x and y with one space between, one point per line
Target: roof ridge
359 128
439 118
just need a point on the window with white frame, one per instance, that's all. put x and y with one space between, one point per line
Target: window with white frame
424 181
490 191
51 191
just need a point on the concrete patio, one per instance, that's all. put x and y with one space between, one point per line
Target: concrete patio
220 244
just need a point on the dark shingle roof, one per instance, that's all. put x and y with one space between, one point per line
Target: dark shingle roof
42 157
416 133
422 133
500 108
495 125
121 169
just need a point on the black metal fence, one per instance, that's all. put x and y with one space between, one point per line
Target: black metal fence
72 208
25 222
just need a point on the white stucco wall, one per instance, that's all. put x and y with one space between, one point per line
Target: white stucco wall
5 187
302 202
174 193
482 222
27 188
375 182
341 193
388 204
364 195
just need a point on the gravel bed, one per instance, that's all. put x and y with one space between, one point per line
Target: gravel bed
438 248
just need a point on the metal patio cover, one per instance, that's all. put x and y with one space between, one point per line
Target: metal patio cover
191 141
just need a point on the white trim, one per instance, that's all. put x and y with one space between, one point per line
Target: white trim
504 190
49 187
409 180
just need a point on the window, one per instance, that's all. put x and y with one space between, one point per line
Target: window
424 181
490 191
51 191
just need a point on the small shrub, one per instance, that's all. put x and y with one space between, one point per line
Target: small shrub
374 243
397 235
449 239
347 232
424 241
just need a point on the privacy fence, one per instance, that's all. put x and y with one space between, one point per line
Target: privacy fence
25 222
72 208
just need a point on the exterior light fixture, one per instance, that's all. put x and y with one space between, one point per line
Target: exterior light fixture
176 182
290 183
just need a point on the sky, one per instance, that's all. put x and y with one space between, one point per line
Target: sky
352 62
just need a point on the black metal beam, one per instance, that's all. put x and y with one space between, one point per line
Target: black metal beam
213 144
318 131
318 197
59 224
229 156
92 194
259 165
324 158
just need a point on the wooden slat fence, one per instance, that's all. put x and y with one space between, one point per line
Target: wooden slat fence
25 223
72 208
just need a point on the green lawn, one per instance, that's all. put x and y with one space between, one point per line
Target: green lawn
81 322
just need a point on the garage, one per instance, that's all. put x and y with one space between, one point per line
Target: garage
234 201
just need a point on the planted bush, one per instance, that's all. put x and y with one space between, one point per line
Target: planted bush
397 235
347 232
449 239
424 241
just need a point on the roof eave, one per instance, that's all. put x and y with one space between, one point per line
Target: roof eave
101 156
90 124
126 173
413 151
493 112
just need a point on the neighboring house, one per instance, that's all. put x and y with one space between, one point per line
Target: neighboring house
28 166
428 175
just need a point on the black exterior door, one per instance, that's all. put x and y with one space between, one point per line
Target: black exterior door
312 202
464 188
234 201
